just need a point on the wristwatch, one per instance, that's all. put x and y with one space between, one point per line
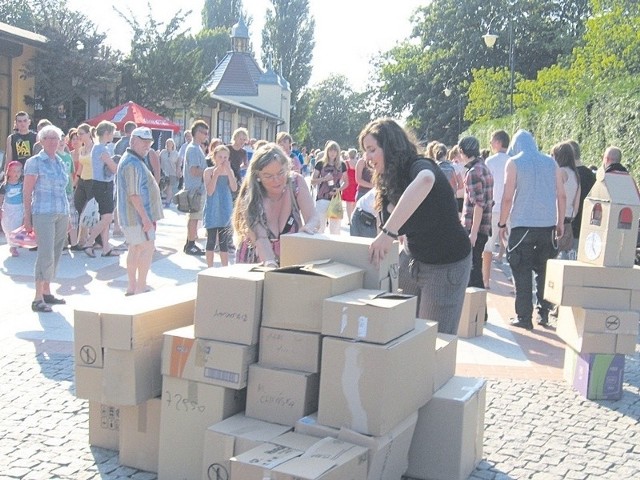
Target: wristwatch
388 233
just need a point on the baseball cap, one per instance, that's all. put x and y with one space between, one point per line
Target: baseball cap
143 133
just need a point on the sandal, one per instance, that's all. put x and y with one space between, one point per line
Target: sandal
89 251
40 306
111 253
51 300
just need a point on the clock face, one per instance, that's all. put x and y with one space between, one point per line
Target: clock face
593 246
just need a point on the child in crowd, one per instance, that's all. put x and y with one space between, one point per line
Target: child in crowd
220 181
11 200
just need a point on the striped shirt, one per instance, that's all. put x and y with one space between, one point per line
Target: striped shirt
134 178
49 191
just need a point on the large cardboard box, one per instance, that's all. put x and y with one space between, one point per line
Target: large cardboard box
207 361
104 425
388 454
229 303
290 349
371 388
131 377
474 310
280 395
309 426
610 214
369 315
188 408
597 376
138 319
301 248
446 354
140 435
447 443
293 296
89 383
594 331
574 283
87 338
327 459
257 463
231 437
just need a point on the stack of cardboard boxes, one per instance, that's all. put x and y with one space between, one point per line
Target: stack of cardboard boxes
310 371
599 294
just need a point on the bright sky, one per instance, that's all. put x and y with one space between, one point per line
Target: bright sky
348 32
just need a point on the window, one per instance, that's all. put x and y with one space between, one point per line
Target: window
625 218
243 120
257 128
224 126
596 215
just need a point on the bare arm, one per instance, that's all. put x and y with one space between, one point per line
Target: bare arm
344 182
507 196
136 201
154 160
27 194
108 161
359 180
561 202
305 202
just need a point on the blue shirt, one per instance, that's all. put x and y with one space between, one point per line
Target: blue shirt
12 193
100 170
219 206
49 192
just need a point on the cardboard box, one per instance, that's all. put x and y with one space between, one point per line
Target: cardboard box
309 426
369 315
301 248
446 355
448 438
140 435
104 425
290 349
327 459
138 319
87 339
296 440
293 296
574 283
280 395
388 454
610 214
257 463
371 388
207 361
229 304
597 376
585 330
473 313
231 437
188 408
131 377
89 383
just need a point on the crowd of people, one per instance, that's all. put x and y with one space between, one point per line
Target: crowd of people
454 210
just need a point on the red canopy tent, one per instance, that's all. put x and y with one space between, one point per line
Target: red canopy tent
131 111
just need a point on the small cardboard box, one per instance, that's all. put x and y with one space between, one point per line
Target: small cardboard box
371 388
138 319
448 439
369 315
87 339
293 296
207 361
140 435
388 454
131 377
446 354
597 376
327 459
609 228
257 463
473 313
229 303
309 426
89 383
290 349
280 395
301 248
231 437
595 331
104 425
188 408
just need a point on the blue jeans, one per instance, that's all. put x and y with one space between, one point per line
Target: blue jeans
528 251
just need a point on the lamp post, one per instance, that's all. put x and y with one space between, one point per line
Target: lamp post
447 93
490 40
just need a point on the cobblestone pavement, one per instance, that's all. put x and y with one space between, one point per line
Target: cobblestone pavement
534 428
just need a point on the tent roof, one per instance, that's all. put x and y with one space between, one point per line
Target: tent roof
131 111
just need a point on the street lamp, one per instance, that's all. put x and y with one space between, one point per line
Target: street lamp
490 40
447 93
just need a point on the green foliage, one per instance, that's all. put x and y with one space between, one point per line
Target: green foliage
334 111
214 45
222 14
287 46
18 13
489 94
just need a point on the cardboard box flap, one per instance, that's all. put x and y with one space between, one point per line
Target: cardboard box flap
617 188
460 389
268 455
388 300
306 468
240 271
321 268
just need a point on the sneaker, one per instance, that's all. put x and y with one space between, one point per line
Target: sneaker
193 250
14 251
543 319
521 323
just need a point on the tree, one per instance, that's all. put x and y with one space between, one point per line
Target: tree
334 112
287 45
214 45
18 13
222 14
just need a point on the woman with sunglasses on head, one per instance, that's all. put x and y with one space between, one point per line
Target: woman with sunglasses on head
272 201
